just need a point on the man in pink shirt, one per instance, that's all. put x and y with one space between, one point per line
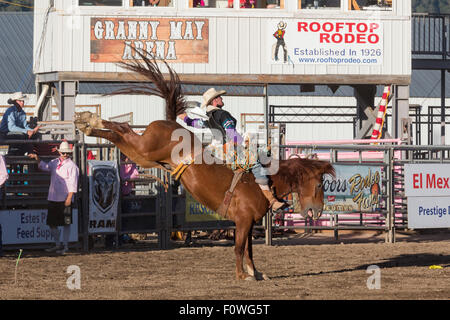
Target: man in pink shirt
63 185
3 173
3 177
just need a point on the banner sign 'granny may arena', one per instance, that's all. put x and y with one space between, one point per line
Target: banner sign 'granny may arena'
173 40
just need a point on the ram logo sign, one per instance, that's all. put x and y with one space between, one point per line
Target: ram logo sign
104 187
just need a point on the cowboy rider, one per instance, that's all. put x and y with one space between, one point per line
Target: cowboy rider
223 121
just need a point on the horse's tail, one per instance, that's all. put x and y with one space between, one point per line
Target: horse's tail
169 90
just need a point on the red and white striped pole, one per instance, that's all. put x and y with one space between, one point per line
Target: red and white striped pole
378 126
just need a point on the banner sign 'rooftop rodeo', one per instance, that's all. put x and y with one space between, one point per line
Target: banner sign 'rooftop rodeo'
171 39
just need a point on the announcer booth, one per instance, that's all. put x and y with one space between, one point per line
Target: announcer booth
233 43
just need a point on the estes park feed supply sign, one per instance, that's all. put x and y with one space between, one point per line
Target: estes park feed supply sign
29 226
427 187
173 40
323 42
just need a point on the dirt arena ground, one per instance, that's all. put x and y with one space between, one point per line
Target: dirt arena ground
301 266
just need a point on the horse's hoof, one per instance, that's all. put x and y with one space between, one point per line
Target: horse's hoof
80 124
83 116
87 131
83 127
250 278
261 276
95 121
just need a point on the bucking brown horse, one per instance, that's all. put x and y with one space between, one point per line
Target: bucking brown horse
207 183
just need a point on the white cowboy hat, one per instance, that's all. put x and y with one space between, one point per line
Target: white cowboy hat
64 147
17 96
282 25
210 95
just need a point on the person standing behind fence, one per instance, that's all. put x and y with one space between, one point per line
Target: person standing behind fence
128 171
14 125
63 185
3 177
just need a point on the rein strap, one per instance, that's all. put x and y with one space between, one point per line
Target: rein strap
223 208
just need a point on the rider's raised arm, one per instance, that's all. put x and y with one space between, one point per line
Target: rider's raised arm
196 123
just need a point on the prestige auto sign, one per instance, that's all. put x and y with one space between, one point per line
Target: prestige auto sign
427 187
326 42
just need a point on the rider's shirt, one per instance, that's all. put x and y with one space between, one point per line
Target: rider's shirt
223 121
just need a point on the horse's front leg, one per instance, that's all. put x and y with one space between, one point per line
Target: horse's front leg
251 269
243 229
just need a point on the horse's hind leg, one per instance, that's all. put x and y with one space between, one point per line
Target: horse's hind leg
119 127
108 135
88 120
249 259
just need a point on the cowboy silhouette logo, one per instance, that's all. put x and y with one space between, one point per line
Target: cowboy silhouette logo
279 36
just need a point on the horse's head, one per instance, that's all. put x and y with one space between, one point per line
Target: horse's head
304 177
310 191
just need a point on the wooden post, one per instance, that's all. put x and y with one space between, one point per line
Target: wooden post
268 228
390 236
85 197
119 204
164 214
268 216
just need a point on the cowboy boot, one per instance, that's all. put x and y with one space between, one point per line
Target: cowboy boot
275 205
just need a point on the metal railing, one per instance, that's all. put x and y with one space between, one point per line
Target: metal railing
391 214
430 34
163 211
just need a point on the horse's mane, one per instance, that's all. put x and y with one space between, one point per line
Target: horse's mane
295 170
169 90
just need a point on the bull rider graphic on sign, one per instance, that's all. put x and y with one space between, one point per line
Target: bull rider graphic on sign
279 35
104 187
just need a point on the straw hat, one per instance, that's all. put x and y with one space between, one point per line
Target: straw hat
210 95
17 96
64 147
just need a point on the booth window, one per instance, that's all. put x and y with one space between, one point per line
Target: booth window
150 3
270 4
370 4
111 3
320 4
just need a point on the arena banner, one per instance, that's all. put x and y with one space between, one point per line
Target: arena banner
104 189
325 42
170 39
29 226
427 180
196 212
428 212
427 187
355 188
